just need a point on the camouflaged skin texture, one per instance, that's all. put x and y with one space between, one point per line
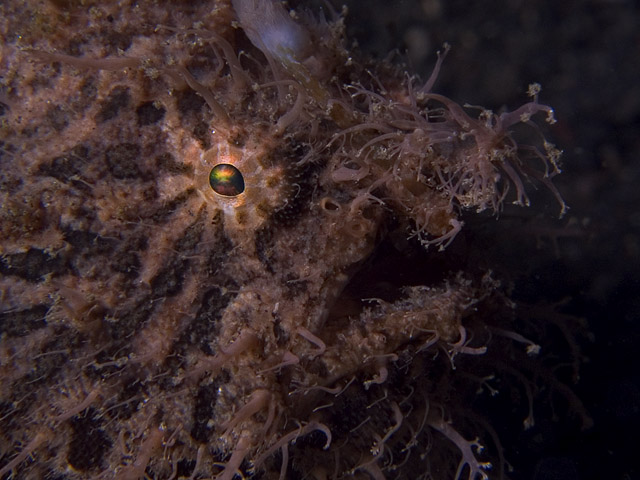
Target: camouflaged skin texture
152 328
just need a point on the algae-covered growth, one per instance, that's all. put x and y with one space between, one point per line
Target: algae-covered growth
187 193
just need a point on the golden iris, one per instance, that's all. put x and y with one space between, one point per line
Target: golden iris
226 180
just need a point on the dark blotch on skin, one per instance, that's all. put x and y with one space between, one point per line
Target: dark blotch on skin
57 350
126 321
32 265
126 259
22 399
20 323
122 160
148 114
126 262
128 400
88 443
302 180
190 101
74 45
85 96
185 468
296 205
163 213
167 163
202 132
205 327
117 99
168 281
45 367
57 118
219 256
88 247
119 41
191 237
89 243
264 247
66 166
206 399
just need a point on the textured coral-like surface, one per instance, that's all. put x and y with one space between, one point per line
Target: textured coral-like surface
151 327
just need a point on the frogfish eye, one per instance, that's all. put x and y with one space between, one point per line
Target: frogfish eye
226 180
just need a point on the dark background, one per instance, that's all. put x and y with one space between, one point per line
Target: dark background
586 56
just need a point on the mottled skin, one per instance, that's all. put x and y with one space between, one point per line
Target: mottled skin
151 325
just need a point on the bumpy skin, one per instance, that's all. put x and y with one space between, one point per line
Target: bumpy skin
152 327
